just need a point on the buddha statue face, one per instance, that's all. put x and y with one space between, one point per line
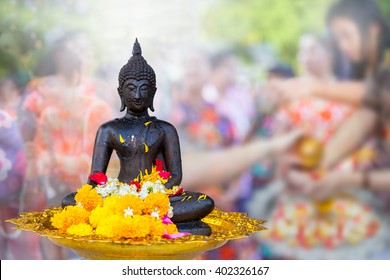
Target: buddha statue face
137 95
137 83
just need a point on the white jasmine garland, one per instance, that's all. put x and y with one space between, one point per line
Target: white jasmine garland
115 187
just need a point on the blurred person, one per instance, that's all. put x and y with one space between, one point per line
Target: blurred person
363 35
349 16
320 117
267 103
315 57
16 181
10 97
267 100
66 114
80 43
223 90
280 72
212 158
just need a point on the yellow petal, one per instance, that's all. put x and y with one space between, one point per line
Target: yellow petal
121 139
146 148
147 123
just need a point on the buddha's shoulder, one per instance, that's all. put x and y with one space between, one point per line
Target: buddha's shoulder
164 125
111 125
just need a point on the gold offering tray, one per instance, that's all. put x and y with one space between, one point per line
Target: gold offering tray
225 226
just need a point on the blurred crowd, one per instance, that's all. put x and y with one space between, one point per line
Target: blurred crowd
239 138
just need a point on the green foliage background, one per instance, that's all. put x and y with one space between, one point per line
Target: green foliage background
279 22
242 23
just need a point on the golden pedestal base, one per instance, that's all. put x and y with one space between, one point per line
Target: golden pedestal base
225 226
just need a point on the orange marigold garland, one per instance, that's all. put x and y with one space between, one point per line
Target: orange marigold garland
118 210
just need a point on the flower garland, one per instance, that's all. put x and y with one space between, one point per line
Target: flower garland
118 210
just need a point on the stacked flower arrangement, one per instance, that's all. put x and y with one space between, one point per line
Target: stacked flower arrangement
118 210
338 221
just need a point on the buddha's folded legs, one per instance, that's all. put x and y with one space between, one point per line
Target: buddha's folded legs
188 210
191 206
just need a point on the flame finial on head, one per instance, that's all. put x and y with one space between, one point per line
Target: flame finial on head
137 48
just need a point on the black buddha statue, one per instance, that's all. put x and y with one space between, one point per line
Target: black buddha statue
129 135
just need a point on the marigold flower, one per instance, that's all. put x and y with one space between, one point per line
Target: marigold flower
71 215
118 210
157 228
132 227
157 201
98 214
80 229
118 204
171 229
88 197
107 224
132 201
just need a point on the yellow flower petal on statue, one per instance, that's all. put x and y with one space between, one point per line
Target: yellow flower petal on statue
146 148
88 197
80 229
71 215
157 201
121 139
147 123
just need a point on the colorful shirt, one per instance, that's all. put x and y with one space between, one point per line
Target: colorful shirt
202 128
67 121
12 160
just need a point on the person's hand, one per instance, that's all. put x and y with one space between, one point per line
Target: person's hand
283 142
331 183
296 88
299 182
285 164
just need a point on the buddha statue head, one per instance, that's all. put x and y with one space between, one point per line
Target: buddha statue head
137 83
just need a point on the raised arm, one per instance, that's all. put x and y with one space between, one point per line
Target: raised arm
350 92
172 155
101 151
216 167
350 136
